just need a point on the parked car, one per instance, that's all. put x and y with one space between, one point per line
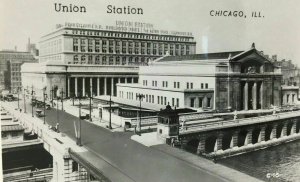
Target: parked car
38 113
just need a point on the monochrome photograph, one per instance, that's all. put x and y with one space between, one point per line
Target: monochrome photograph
144 91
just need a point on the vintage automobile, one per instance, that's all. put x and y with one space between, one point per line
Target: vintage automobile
39 113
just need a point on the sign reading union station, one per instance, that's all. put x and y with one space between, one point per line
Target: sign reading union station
125 26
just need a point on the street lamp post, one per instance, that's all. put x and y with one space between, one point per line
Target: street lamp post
52 91
32 92
62 100
44 96
24 101
109 126
18 90
78 142
140 97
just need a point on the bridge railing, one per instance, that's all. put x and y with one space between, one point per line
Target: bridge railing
259 119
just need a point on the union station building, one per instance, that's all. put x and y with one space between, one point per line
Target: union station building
84 59
240 80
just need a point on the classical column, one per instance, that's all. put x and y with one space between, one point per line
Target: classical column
98 86
105 85
246 96
119 80
132 80
254 96
125 79
261 95
69 87
112 86
91 86
76 86
83 86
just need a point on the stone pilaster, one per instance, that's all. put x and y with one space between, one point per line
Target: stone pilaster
201 145
234 140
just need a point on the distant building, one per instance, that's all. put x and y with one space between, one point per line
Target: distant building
31 48
205 81
10 68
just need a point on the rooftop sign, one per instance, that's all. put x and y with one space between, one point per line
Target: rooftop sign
125 26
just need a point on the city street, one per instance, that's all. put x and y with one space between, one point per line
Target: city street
138 162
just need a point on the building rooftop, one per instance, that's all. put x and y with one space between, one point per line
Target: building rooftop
206 56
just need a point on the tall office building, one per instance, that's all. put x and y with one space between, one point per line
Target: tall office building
10 68
89 44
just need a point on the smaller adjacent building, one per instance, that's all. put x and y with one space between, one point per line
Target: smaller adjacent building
10 69
290 94
237 80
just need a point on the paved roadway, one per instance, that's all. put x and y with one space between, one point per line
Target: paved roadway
138 162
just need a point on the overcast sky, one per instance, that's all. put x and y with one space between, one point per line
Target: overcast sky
277 33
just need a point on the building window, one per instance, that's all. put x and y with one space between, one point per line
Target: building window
206 85
187 85
293 98
174 84
200 102
173 101
192 104
74 166
158 100
287 98
165 100
178 85
123 60
202 85
192 86
117 60
177 102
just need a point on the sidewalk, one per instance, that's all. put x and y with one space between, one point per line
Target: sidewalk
74 110
147 139
206 165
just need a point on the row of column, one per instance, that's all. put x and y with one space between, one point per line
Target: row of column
248 139
98 85
254 98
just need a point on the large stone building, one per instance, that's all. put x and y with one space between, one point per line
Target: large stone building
75 43
10 68
84 59
241 80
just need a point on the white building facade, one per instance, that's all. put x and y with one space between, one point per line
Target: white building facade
181 85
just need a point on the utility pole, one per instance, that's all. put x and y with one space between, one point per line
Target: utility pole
140 97
52 91
57 116
91 95
44 96
32 92
18 90
62 99
109 126
24 101
78 142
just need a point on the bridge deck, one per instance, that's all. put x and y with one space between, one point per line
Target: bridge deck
207 126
